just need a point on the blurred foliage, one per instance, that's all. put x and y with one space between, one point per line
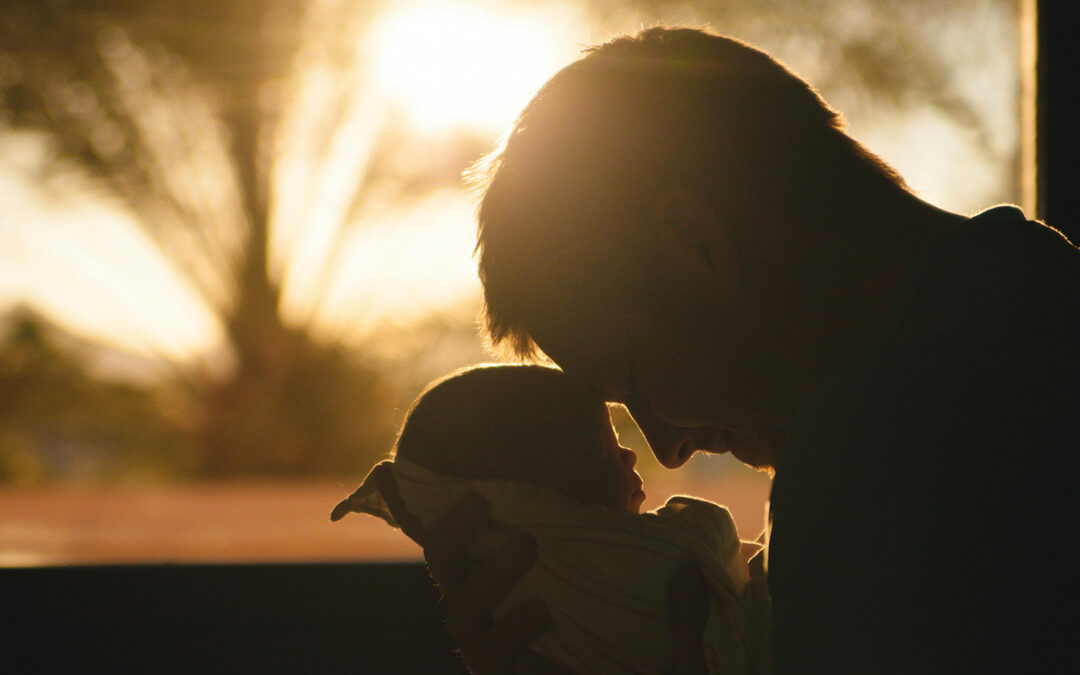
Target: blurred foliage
182 111
171 107
49 428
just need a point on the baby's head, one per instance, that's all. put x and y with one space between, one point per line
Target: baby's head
523 422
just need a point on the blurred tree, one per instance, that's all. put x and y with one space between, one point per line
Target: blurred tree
227 126
889 62
47 428
172 108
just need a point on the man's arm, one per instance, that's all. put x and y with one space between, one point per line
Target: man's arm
471 596
501 646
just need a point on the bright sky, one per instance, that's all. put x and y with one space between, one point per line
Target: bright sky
469 65
85 264
439 69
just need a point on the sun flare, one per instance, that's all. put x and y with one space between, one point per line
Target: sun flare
471 66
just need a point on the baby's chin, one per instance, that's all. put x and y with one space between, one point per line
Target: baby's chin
739 568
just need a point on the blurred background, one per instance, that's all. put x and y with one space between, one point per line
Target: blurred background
235 242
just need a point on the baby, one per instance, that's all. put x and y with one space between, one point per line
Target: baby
544 454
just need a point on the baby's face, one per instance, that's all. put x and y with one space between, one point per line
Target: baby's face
602 471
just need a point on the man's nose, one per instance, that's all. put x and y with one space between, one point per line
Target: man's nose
629 457
671 445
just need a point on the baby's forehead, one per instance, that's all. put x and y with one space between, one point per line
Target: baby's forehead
592 428
590 415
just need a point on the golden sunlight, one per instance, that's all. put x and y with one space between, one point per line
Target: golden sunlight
434 73
368 220
85 264
412 261
237 248
470 65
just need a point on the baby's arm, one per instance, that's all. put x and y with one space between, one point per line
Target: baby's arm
713 524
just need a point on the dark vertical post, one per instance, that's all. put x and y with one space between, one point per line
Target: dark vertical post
1058 134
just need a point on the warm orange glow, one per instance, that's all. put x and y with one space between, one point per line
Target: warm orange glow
437 69
85 264
468 64
409 262
217 522
371 231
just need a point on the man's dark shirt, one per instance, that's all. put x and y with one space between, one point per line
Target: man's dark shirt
924 507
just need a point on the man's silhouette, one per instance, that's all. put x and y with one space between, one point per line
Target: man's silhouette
682 223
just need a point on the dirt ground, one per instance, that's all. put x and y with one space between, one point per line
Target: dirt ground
224 522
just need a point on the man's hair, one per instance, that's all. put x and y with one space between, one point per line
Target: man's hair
666 109
498 421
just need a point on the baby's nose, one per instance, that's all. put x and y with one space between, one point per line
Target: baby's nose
628 457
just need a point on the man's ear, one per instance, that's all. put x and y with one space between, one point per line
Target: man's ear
692 230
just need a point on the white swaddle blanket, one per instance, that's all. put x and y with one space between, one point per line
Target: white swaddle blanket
603 574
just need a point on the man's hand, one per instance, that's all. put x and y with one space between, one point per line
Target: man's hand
471 596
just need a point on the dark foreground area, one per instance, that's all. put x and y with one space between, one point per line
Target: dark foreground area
290 618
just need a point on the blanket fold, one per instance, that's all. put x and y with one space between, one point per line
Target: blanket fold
603 574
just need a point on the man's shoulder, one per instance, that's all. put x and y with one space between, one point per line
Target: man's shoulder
997 280
936 451
977 350
1006 220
